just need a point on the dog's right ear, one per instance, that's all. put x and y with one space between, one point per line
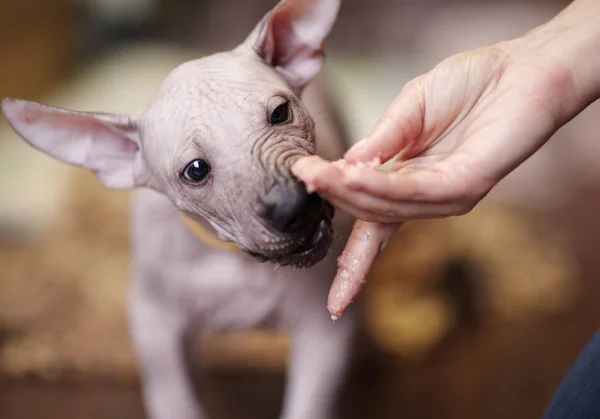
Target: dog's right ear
106 144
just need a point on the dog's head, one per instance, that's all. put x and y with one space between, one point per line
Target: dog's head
218 138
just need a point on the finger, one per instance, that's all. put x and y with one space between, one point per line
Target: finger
322 177
325 178
423 183
373 209
366 241
334 184
400 124
359 212
315 172
434 184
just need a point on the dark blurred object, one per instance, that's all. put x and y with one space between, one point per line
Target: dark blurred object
109 23
36 44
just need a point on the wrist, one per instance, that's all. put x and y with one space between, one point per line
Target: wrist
570 43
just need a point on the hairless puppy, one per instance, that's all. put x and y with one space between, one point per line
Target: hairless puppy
209 158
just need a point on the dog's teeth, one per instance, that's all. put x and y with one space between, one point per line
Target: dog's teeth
318 236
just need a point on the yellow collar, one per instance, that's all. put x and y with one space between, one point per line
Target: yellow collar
209 238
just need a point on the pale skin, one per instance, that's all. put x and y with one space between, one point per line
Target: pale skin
456 131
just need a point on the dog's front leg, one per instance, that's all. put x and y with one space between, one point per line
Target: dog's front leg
159 335
319 359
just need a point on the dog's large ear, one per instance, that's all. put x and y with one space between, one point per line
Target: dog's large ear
106 144
290 38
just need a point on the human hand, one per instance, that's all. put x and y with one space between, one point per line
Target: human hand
455 132
458 130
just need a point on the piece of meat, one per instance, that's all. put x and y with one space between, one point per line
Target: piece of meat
364 245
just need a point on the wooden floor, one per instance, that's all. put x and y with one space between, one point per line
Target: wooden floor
495 374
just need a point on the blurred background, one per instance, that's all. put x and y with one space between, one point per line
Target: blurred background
469 317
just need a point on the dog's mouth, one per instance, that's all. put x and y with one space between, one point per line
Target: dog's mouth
313 246
313 249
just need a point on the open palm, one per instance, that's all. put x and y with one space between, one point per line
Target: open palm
453 134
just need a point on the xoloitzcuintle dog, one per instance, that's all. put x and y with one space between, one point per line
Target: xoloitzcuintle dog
212 151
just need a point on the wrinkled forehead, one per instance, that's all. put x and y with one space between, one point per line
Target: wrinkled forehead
212 108
211 97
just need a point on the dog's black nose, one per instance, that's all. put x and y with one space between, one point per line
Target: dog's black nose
287 206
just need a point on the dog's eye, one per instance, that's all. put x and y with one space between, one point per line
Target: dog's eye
280 115
196 171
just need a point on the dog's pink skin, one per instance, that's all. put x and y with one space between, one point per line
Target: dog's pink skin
217 108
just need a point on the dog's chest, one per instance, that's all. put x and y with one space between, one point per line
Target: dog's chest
222 291
236 292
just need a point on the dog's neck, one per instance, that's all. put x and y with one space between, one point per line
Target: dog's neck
207 236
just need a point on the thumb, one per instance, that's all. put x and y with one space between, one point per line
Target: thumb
393 133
